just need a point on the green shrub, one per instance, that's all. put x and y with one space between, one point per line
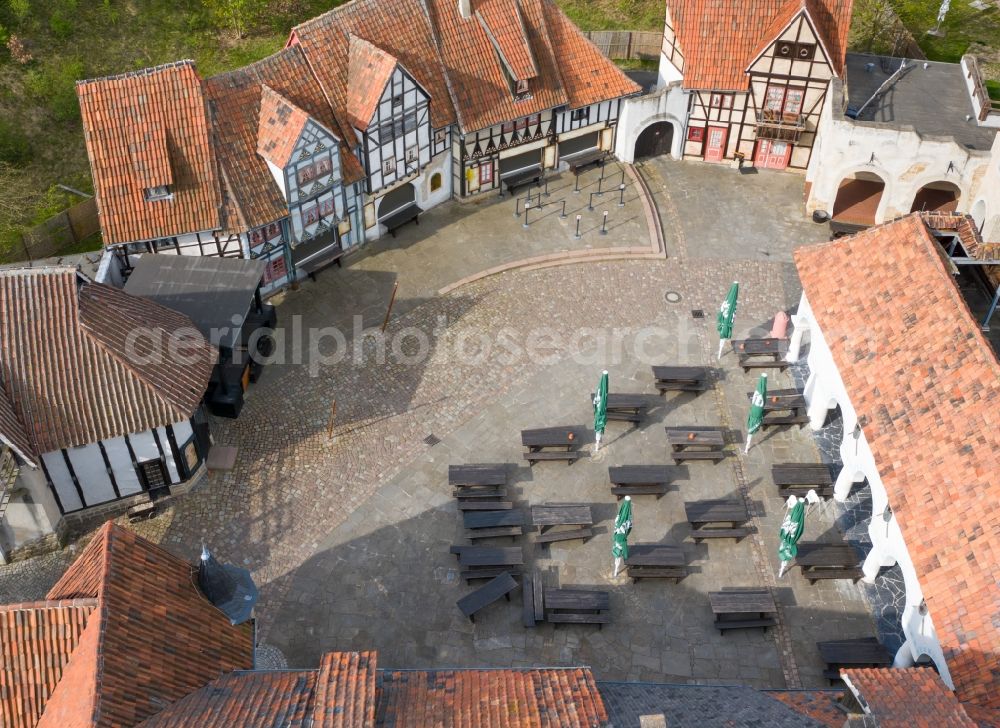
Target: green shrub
14 145
20 8
55 86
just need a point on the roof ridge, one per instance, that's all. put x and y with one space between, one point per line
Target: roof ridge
149 71
49 604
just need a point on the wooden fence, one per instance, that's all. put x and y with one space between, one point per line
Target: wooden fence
627 45
59 233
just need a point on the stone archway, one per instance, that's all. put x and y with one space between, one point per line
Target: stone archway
654 140
936 197
858 198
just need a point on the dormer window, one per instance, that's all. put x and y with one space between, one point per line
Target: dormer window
521 87
160 192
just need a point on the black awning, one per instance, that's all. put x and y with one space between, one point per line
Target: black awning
317 251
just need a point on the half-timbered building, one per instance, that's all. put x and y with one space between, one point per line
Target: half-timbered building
753 75
376 108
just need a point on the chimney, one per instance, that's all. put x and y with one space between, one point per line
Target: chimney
465 8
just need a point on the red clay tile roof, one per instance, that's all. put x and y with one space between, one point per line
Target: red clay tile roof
153 639
720 38
369 69
72 371
455 61
235 100
12 432
341 694
983 717
532 698
907 698
36 641
145 129
505 29
281 123
926 387
820 705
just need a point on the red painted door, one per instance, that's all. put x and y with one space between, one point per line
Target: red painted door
772 154
715 146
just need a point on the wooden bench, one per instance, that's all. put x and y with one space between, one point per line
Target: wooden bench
743 608
706 516
638 480
486 572
498 532
530 176
761 353
532 609
680 379
578 618
554 536
688 443
579 162
570 456
493 524
799 478
492 505
861 652
477 474
700 534
626 407
577 606
828 561
497 492
397 218
655 561
499 586
783 400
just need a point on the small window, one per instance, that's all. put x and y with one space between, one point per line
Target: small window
389 166
435 182
397 100
411 155
722 101
696 134
160 192
153 474
805 51
581 114
522 87
441 136
486 172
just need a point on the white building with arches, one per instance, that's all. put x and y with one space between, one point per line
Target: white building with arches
893 345
898 136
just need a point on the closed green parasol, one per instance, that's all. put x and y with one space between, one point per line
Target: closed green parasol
726 315
601 408
755 418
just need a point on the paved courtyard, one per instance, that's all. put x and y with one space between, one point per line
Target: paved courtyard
348 534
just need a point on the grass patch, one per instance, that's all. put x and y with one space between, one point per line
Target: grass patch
615 14
993 89
963 27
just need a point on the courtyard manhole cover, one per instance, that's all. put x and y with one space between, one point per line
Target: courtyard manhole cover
697 313
432 440
672 297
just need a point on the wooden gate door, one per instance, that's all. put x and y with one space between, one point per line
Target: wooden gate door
715 147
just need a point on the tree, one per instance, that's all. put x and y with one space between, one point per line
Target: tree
874 27
237 14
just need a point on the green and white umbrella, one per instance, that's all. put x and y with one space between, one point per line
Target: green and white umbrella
791 531
623 525
601 407
724 319
755 418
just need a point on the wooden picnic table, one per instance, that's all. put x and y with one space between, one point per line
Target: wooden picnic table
553 443
717 519
862 652
783 400
477 474
651 560
489 555
626 406
639 480
828 561
688 443
799 478
484 505
577 606
500 586
552 520
743 608
761 353
493 524
680 379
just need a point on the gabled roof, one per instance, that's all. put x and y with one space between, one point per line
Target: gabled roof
235 100
75 372
153 639
36 641
907 698
369 69
529 698
145 129
504 26
720 38
281 123
457 62
926 386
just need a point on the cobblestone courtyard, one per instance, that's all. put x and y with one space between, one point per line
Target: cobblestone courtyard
348 535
